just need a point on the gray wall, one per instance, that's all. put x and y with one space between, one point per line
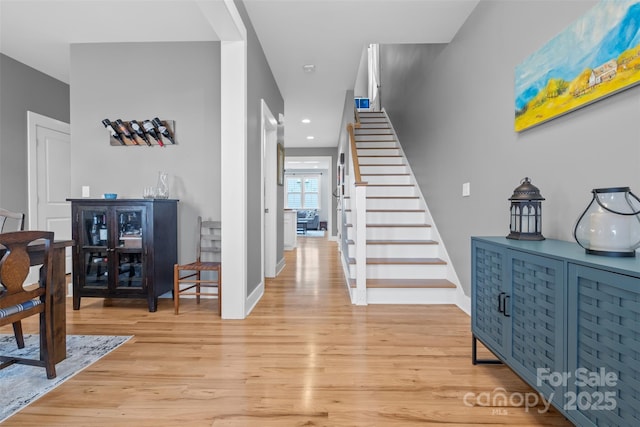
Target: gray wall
23 89
454 115
174 81
260 85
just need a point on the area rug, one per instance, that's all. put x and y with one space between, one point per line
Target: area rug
22 384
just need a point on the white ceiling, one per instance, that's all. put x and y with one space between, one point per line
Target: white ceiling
331 34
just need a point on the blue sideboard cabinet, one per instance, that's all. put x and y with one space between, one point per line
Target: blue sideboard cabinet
568 323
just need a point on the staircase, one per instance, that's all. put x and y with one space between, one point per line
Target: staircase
405 262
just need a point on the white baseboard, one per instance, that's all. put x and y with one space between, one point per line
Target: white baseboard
254 298
464 303
280 266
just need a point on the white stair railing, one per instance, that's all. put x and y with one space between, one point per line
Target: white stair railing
358 190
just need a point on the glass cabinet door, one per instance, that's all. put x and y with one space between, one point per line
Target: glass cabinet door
129 257
93 243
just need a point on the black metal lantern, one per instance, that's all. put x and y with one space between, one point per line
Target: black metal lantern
526 212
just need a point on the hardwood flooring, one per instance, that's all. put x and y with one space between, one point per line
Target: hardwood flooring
304 357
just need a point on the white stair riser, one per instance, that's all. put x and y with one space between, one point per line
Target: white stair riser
373 121
377 144
402 271
378 152
374 125
372 131
386 179
411 296
373 190
399 217
399 251
398 203
381 169
397 233
380 160
365 138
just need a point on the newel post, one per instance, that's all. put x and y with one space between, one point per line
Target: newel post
360 210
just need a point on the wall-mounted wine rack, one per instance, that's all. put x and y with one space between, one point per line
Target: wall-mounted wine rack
146 133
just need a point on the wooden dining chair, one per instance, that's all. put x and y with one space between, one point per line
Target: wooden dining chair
17 218
18 301
188 278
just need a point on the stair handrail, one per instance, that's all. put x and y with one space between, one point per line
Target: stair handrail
354 155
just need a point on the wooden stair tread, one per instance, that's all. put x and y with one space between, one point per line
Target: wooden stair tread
394 225
384 174
401 242
376 156
380 164
406 283
390 185
387 197
369 141
377 148
390 210
396 242
404 261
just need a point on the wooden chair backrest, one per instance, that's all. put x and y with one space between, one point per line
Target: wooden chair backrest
17 216
210 239
15 263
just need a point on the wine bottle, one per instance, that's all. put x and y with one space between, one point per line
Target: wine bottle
124 131
163 129
95 236
110 128
137 129
150 130
103 231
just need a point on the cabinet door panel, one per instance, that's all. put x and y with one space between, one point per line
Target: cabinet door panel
604 343
489 323
130 259
537 317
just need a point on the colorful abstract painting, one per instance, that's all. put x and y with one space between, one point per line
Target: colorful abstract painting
597 56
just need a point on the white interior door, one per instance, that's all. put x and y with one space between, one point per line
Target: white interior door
269 193
49 161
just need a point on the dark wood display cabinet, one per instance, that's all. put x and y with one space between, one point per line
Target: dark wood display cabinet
126 248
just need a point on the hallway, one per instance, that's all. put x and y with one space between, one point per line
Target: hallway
305 356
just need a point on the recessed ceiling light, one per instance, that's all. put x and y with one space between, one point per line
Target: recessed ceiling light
310 137
306 121
309 68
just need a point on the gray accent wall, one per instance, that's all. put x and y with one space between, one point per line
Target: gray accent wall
23 89
177 81
454 112
260 85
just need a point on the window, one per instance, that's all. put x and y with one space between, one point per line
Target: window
303 191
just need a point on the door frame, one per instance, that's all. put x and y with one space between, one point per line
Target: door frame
33 121
269 196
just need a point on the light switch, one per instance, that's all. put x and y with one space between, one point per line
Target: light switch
85 191
466 189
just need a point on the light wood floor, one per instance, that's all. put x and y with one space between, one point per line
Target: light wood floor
305 357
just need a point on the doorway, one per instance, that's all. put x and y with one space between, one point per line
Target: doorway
316 166
269 137
49 177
